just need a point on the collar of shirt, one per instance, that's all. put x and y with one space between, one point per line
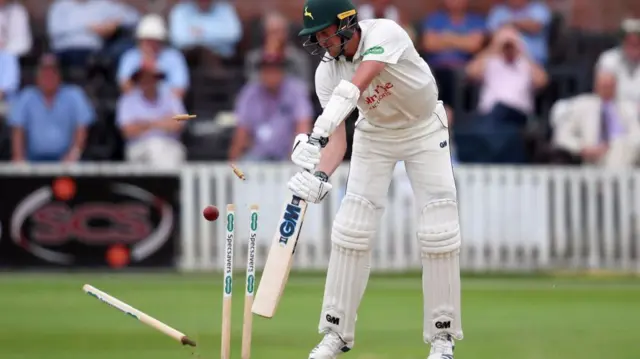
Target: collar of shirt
269 94
282 90
364 27
631 66
163 94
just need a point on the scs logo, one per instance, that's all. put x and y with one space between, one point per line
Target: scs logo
129 221
56 223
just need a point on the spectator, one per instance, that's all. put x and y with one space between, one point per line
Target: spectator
276 43
379 9
508 75
531 18
211 25
509 79
450 38
600 129
153 52
121 39
9 80
270 112
624 62
15 30
384 9
50 119
93 21
145 116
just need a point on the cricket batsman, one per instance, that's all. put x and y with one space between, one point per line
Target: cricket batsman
373 66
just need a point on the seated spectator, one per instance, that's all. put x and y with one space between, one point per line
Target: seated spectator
75 41
509 79
600 129
624 62
450 38
531 18
152 51
9 80
202 28
276 43
507 73
145 116
50 120
121 39
15 30
270 113
384 9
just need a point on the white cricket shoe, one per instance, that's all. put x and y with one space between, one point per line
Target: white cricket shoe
441 347
330 347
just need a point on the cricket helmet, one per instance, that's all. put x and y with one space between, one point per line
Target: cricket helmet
320 14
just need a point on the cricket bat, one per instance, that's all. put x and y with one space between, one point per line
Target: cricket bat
279 260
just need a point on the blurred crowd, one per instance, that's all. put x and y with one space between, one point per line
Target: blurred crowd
100 80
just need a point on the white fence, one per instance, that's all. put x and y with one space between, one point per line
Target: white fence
515 219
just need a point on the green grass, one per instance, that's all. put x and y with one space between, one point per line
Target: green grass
48 317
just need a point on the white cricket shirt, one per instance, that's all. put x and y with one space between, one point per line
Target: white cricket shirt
404 92
627 75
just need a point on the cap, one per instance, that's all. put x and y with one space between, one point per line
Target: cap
152 27
631 26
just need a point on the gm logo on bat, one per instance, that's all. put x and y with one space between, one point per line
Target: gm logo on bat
289 223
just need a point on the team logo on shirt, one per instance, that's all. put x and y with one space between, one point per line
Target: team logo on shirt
380 92
376 50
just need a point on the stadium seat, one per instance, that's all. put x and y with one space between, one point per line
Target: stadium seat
5 140
104 141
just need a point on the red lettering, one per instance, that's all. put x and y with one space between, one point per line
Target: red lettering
136 222
382 91
50 224
123 223
126 223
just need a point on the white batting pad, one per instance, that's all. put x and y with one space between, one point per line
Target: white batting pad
349 265
439 237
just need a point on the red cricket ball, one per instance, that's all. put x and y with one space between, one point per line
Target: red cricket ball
211 213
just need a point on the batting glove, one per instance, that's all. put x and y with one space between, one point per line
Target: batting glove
309 187
305 153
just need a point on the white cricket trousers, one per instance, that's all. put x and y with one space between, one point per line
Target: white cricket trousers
161 152
424 148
